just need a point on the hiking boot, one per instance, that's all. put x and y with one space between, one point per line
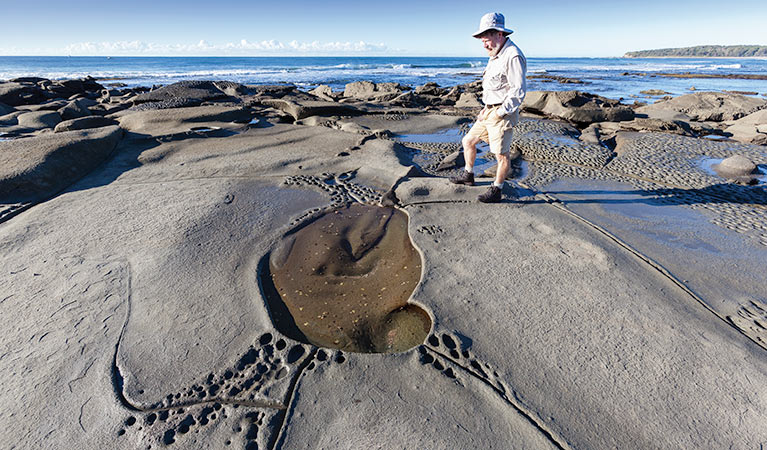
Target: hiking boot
493 195
466 178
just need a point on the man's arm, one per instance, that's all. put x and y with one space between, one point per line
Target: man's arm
515 74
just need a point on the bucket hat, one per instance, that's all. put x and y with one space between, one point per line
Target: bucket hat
492 21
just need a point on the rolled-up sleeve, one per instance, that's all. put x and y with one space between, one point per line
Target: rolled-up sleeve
515 74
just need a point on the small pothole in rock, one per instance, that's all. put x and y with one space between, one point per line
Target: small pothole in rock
343 281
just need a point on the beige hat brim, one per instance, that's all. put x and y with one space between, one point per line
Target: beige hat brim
502 30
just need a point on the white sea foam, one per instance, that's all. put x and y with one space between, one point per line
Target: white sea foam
725 66
603 74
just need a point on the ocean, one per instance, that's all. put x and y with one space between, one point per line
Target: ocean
618 78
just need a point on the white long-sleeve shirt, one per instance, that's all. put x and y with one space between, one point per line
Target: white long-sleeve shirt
504 80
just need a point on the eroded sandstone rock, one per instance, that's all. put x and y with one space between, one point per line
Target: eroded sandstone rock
34 168
577 107
705 106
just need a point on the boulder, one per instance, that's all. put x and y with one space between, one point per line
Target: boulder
453 94
366 90
468 100
16 94
84 123
37 120
391 88
474 86
576 107
404 99
74 110
33 169
190 92
360 89
737 168
708 106
430 88
324 92
68 88
751 129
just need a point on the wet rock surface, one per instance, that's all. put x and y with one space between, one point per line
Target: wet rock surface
135 279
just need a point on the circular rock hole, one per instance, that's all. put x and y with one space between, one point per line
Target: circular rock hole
343 281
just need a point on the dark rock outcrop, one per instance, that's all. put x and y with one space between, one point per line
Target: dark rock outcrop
17 94
430 88
67 88
579 108
188 93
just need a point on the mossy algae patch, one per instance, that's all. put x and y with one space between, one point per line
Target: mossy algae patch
343 281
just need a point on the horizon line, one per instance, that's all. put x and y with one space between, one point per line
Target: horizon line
288 56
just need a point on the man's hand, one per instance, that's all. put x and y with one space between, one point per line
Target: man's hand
482 114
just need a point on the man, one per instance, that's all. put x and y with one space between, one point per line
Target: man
503 89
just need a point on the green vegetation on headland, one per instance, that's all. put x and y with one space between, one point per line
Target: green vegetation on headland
704 51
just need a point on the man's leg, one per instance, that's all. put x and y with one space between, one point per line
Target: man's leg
500 135
470 150
469 142
504 164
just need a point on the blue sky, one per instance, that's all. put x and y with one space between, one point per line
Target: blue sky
392 27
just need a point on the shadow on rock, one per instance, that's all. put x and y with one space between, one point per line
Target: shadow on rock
723 193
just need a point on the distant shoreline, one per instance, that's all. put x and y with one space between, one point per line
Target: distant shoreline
703 51
694 57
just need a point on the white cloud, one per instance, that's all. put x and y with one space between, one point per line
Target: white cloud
204 48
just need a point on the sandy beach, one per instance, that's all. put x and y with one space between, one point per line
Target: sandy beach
216 265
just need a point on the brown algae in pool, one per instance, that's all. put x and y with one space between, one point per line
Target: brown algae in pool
343 281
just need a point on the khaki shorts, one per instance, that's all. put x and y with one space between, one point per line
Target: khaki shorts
497 132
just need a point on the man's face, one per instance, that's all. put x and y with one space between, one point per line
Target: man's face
493 41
